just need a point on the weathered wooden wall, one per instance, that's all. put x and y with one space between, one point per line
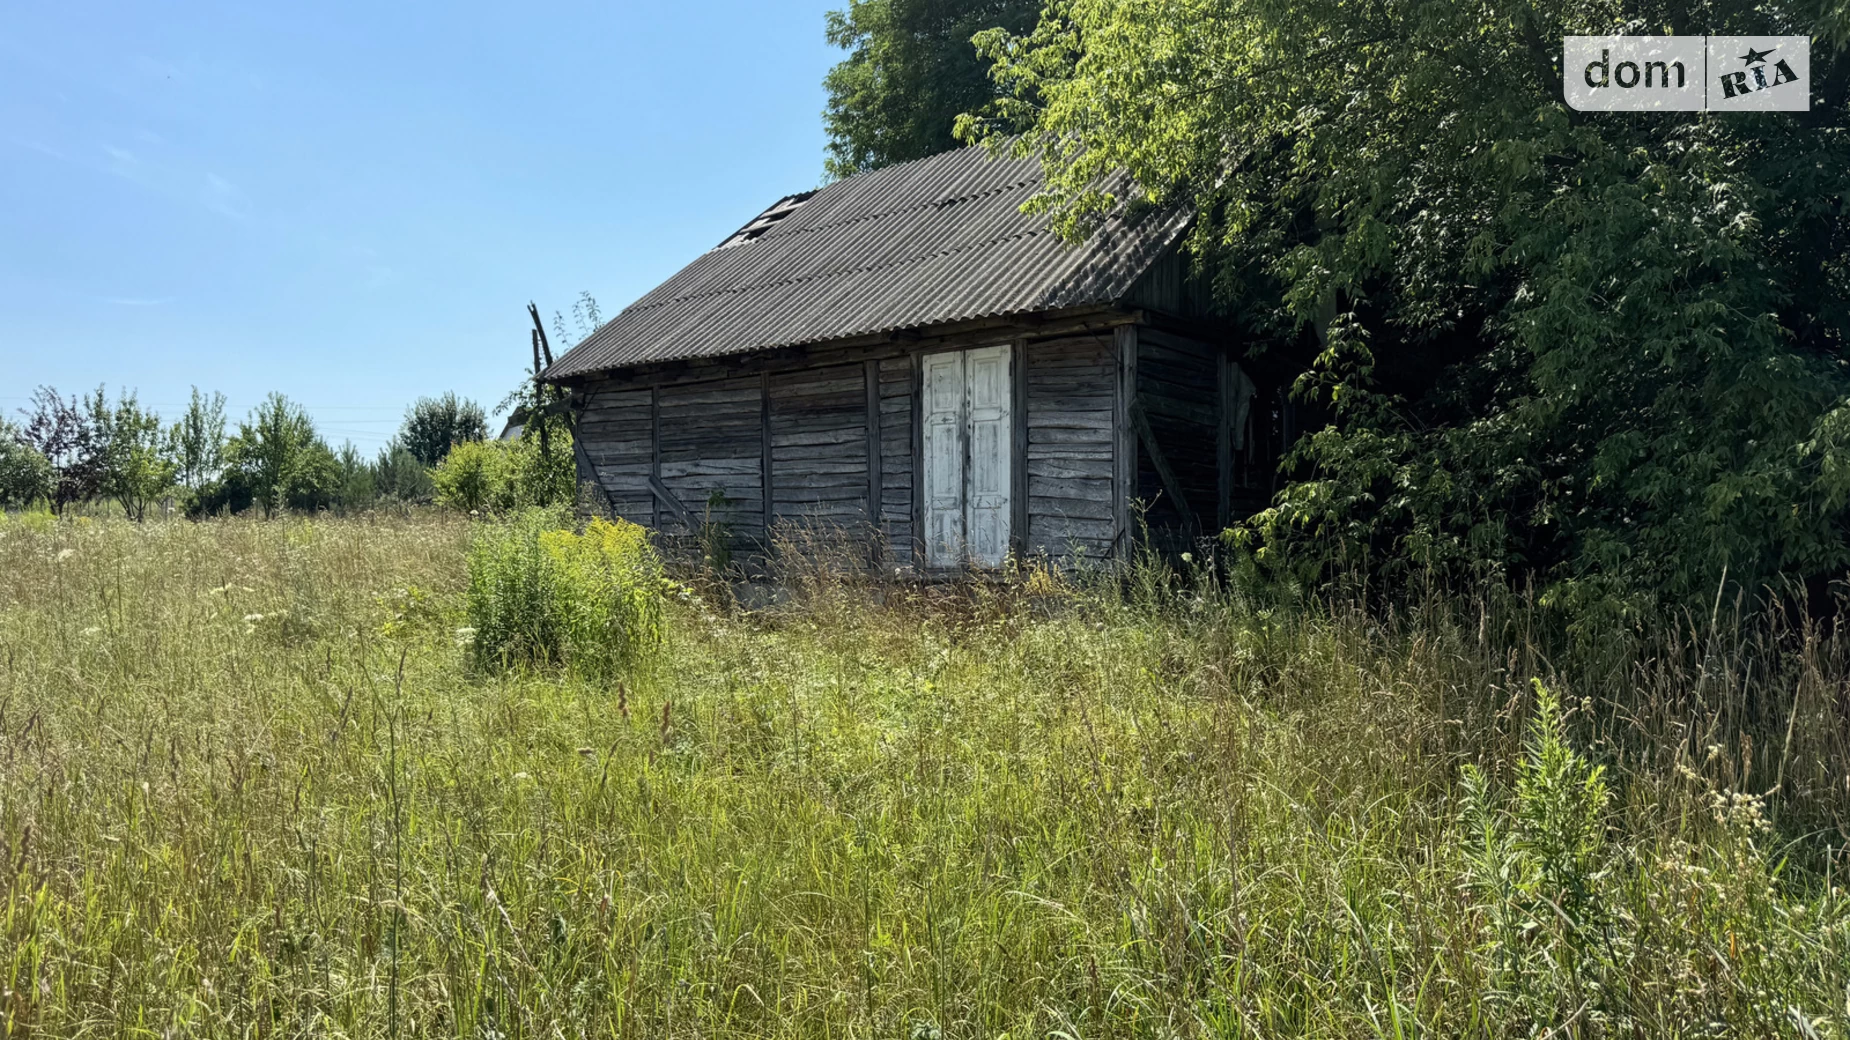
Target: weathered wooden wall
719 432
819 445
1071 395
1178 474
617 429
897 376
710 456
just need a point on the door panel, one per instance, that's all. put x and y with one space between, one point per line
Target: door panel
968 427
943 421
987 370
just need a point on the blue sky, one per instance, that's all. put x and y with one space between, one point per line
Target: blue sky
353 202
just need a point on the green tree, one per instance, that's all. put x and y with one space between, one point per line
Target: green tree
434 425
197 441
65 432
278 461
356 484
910 70
398 475
137 469
1602 351
25 475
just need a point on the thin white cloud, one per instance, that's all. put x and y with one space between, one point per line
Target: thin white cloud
223 197
37 146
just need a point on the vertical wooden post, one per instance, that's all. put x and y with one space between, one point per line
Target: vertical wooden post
764 462
1018 452
1124 441
918 462
1223 442
871 371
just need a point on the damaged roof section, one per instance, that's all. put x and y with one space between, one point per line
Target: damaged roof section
938 240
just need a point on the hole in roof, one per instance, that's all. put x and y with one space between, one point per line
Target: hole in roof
765 221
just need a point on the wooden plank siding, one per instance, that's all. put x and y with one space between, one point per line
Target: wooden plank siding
616 430
829 432
710 457
819 445
1178 388
896 387
1070 401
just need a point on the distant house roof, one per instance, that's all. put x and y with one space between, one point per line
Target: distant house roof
942 239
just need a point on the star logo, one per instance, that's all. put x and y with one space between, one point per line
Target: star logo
1753 57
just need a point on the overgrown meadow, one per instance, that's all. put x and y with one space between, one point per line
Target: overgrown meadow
259 779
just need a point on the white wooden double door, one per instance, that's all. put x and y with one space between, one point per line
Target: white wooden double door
968 426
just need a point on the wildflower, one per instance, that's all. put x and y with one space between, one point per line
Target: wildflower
65 554
251 619
465 636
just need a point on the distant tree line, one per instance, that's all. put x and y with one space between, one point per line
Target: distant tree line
86 449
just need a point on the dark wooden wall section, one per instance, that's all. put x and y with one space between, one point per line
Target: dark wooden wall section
1178 390
897 376
616 429
819 445
711 459
1070 397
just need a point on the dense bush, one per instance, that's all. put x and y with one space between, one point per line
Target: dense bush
507 475
25 475
1605 355
540 594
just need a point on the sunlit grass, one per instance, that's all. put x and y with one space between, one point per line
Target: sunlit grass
250 784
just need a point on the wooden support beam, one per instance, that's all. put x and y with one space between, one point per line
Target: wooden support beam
587 469
1124 440
1171 486
665 497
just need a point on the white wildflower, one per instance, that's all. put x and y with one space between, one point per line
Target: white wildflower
65 554
465 636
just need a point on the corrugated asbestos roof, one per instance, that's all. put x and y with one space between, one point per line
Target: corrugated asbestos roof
939 240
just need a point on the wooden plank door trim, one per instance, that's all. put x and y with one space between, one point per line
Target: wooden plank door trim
1018 451
918 462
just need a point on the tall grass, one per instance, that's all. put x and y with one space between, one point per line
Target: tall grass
540 593
250 784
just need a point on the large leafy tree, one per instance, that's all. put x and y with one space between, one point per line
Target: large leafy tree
71 434
436 424
278 460
911 69
1602 351
138 467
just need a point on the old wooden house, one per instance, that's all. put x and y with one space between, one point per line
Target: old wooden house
906 355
